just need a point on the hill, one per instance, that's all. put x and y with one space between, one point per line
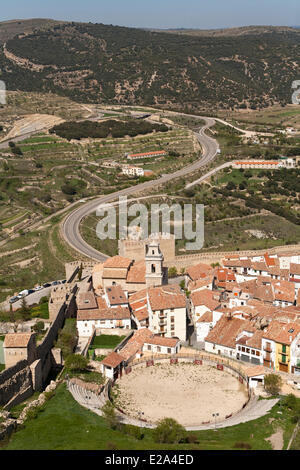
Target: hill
112 64
229 32
9 29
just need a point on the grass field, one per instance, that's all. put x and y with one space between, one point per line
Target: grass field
65 425
106 341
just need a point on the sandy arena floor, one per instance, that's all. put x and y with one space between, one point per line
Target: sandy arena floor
185 392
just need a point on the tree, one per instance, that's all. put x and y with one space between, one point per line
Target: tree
169 431
110 416
39 327
80 272
76 362
172 271
273 384
24 310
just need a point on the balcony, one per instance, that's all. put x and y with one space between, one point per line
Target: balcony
268 349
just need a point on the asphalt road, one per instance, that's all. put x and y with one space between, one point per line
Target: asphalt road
31 299
72 222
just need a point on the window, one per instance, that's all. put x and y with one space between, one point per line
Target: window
257 353
149 347
248 350
169 350
153 268
252 351
158 349
243 349
284 348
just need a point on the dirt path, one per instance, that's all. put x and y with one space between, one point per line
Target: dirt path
276 440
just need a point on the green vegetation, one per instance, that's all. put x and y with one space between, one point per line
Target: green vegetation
67 337
102 130
76 362
169 431
185 66
106 341
272 384
64 424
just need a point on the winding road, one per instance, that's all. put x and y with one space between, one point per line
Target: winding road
71 225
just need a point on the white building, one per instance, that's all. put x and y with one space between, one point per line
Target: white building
132 171
167 311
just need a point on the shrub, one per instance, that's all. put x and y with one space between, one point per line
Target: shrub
76 362
192 439
169 431
39 327
172 271
111 446
242 445
110 416
273 384
134 431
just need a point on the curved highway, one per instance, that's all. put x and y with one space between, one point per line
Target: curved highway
71 224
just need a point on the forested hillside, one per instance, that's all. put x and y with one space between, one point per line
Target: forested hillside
96 62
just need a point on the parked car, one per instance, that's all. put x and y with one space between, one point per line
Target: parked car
38 288
13 299
55 283
64 281
47 284
23 293
30 291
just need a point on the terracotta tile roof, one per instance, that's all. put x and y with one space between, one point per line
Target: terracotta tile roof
255 340
295 269
254 371
17 340
137 296
225 331
162 341
136 343
112 360
225 275
117 262
205 297
141 314
137 273
166 297
117 313
156 152
207 317
274 270
232 263
259 266
101 302
114 273
280 332
116 295
198 271
86 300
265 293
199 283
269 261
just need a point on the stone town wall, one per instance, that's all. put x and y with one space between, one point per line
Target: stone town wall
135 249
72 268
24 378
15 383
184 261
